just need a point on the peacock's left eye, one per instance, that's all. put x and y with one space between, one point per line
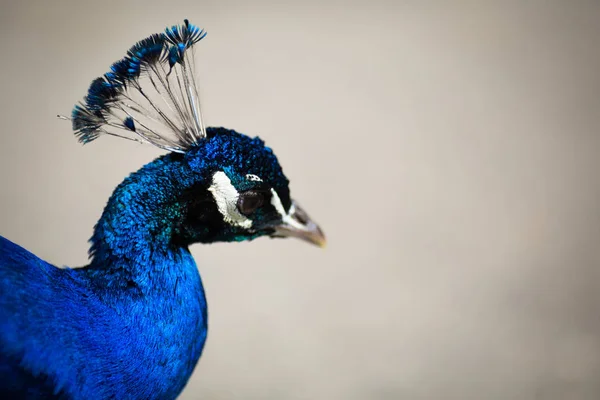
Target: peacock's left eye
249 201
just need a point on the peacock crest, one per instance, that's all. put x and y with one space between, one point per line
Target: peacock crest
149 96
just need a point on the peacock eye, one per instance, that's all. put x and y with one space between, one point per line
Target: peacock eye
249 201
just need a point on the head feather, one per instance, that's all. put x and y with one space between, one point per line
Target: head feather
150 95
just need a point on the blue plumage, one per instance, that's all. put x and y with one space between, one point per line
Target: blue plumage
121 71
132 324
63 332
129 123
182 38
100 94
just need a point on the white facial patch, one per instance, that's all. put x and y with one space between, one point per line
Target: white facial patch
226 197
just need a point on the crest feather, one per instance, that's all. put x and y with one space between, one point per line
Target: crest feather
150 95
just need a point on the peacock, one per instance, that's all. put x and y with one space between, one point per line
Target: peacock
133 322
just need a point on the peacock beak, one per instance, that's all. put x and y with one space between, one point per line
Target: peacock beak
298 224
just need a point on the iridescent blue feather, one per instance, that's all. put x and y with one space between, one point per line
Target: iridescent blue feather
101 94
182 38
148 51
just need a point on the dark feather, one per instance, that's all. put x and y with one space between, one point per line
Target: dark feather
86 123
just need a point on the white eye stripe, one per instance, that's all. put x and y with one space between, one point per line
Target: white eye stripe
226 197
286 217
276 203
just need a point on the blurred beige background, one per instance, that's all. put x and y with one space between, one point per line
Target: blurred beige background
450 150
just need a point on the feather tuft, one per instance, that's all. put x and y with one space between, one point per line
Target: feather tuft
185 35
151 94
86 124
101 93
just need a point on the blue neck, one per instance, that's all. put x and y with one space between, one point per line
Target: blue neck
133 246
152 283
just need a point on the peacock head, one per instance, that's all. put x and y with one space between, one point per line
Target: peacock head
239 192
225 186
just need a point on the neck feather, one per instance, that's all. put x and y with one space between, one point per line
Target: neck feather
136 232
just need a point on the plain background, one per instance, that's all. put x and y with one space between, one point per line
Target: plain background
450 151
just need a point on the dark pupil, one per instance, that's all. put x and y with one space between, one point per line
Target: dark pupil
250 201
